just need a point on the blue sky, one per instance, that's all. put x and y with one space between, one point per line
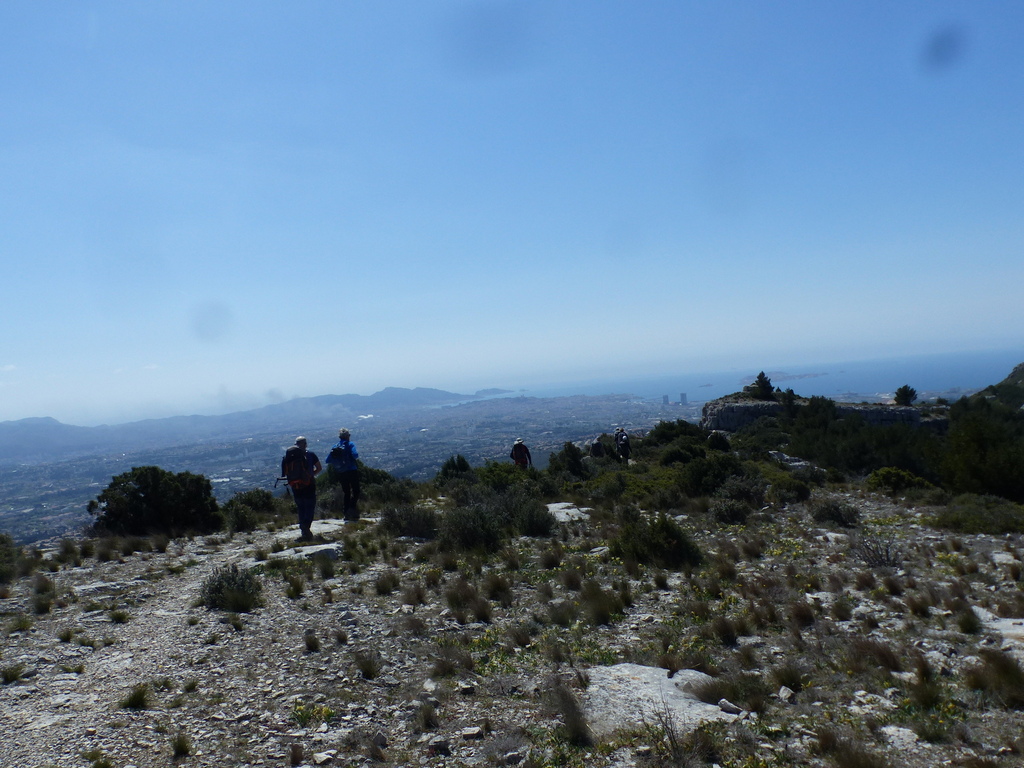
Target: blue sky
208 206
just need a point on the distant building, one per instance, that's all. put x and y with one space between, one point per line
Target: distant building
682 398
664 399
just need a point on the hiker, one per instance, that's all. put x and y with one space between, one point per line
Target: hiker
342 461
300 467
597 448
520 454
622 444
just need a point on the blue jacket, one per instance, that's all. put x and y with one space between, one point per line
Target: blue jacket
348 462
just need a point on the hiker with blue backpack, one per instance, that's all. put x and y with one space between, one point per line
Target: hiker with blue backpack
300 468
342 461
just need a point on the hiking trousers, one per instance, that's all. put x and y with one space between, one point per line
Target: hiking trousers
350 492
306 504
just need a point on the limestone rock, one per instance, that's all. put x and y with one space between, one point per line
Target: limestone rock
626 696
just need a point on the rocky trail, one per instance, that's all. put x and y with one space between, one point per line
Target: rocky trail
342 666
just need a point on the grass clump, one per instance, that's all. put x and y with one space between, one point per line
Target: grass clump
368 662
139 697
1000 676
229 588
843 750
567 706
181 745
450 660
12 673
601 606
386 583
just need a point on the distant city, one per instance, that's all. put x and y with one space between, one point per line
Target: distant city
50 471
46 499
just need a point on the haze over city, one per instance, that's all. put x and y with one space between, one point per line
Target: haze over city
210 207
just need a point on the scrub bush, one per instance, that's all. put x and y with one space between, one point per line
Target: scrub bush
409 520
454 467
661 542
9 556
980 514
786 489
893 481
835 512
247 509
229 588
704 476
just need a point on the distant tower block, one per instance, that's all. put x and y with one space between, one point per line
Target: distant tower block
664 399
682 398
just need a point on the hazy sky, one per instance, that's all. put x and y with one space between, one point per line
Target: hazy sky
206 206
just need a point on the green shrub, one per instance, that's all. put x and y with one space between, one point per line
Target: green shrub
415 521
761 388
717 441
665 432
786 489
69 553
454 467
835 512
149 499
10 554
229 588
526 515
569 460
749 488
747 690
392 490
483 518
730 511
893 481
984 453
704 476
905 395
980 514
246 510
661 542
469 528
681 451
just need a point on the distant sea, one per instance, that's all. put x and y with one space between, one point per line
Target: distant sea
938 373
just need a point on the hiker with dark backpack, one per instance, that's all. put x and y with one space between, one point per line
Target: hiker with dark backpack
520 454
343 464
300 468
622 444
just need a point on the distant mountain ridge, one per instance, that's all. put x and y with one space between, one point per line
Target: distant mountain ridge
44 439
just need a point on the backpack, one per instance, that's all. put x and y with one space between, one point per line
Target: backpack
340 456
519 452
296 469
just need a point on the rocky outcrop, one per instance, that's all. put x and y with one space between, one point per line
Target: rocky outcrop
730 416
